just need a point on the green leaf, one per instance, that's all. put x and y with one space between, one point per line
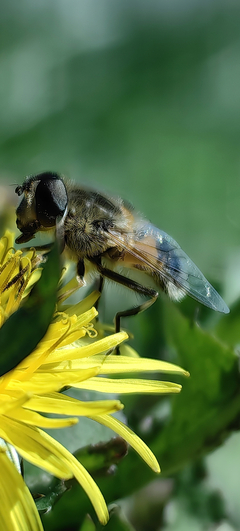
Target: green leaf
46 502
208 406
22 332
88 525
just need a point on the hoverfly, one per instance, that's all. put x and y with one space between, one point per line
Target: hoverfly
103 233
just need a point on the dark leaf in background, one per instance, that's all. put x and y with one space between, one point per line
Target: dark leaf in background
46 502
101 458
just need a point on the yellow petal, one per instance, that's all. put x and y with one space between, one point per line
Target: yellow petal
102 345
68 289
112 364
124 385
124 364
34 419
18 511
85 305
46 382
7 403
69 464
31 445
42 450
6 245
129 436
85 480
66 405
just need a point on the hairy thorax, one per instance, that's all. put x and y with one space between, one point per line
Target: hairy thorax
91 218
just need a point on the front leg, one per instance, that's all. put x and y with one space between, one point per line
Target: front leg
81 270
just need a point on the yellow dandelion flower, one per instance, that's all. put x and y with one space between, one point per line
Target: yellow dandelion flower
67 356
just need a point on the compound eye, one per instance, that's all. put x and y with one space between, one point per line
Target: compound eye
51 200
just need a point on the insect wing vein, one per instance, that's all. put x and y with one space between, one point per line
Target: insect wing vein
162 254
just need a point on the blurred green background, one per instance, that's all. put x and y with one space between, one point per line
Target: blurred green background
140 99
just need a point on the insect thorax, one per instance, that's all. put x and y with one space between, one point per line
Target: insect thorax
90 216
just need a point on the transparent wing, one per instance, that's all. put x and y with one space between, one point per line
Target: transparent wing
155 249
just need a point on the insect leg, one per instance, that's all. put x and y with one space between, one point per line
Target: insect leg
131 284
134 311
100 289
80 269
124 281
81 273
